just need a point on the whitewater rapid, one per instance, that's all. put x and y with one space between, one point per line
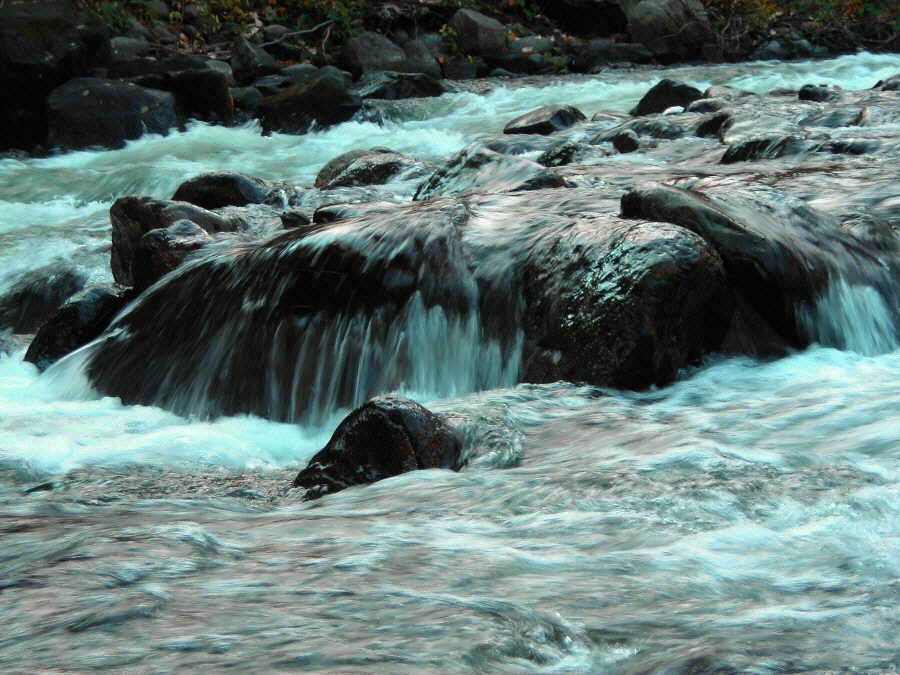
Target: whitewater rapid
743 518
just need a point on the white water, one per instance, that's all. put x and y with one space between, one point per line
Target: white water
745 517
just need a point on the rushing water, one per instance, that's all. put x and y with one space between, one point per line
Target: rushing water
743 518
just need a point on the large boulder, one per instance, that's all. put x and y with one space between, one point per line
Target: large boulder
42 45
384 437
420 59
780 254
666 94
477 169
133 217
598 53
370 51
81 319
33 298
367 167
394 86
672 29
216 189
202 94
249 62
588 17
90 112
477 34
321 102
545 120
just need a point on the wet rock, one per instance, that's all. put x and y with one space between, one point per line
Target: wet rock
652 127
374 167
764 148
890 84
773 50
476 169
477 33
626 141
818 94
294 219
370 51
42 45
570 153
384 437
712 125
201 94
726 93
545 120
671 29
321 101
249 62
223 188
31 300
458 68
394 86
82 318
90 112
246 98
133 217
779 253
848 146
706 105
601 17
598 53
163 250
11 343
665 94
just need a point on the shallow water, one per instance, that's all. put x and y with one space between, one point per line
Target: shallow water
744 518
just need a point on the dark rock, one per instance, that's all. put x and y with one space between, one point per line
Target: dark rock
545 120
249 62
664 95
711 125
300 72
31 300
384 437
626 141
848 146
569 153
476 169
374 167
393 86
819 94
81 319
586 17
89 112
779 253
420 59
201 94
127 49
477 33
890 84
773 50
726 93
246 98
460 69
294 219
11 343
273 84
162 250
340 78
370 51
764 148
223 188
321 101
42 45
671 29
653 127
706 105
598 53
133 217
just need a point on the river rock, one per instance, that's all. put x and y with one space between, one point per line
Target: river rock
779 253
671 29
545 120
384 437
817 94
764 148
476 169
201 94
666 94
712 125
322 101
598 53
223 188
370 51
133 217
420 58
394 86
477 34
42 45
162 250
706 105
127 49
249 62
90 112
626 141
600 17
82 318
31 300
570 153
373 167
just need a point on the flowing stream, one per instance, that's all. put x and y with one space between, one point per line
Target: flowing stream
744 519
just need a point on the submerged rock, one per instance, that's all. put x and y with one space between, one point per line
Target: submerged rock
81 319
545 120
31 300
391 86
664 95
764 148
384 437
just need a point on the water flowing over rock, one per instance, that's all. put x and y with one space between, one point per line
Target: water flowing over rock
322 101
545 120
223 188
373 167
32 299
391 86
384 437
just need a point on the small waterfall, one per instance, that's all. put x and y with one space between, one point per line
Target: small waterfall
854 317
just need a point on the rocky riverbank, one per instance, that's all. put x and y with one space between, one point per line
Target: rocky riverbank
74 78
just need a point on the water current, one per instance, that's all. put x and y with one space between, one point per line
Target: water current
742 519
